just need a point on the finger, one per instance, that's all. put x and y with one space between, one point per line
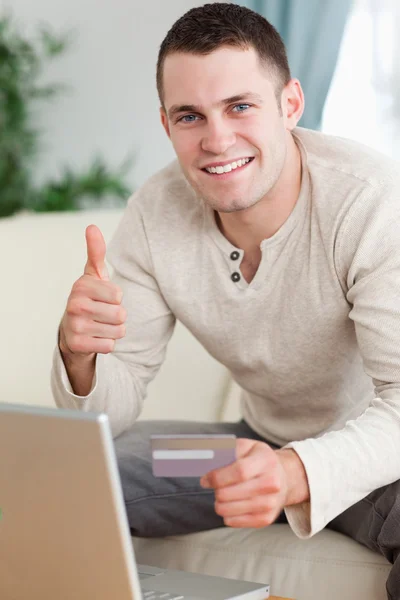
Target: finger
244 446
243 469
90 328
255 521
80 344
267 483
102 291
110 332
253 506
110 314
96 253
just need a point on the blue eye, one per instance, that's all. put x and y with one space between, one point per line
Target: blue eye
190 118
241 106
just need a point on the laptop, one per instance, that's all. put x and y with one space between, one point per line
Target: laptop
64 532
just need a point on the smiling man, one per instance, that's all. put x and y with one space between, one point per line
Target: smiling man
279 249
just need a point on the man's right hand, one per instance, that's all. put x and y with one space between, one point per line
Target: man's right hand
94 317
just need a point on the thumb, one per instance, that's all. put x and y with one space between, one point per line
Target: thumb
96 253
244 447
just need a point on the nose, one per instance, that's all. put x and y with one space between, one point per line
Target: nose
218 138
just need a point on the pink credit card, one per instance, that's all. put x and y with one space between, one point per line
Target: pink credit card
193 455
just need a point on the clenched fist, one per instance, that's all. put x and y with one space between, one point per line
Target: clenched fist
94 317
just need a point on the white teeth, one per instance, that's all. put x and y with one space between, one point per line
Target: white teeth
229 167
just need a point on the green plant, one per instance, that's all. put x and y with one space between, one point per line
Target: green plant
22 62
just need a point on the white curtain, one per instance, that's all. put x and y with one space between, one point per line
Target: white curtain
364 99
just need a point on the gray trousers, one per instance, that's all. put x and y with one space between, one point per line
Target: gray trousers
158 507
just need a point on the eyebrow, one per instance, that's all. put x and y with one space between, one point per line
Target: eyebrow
179 108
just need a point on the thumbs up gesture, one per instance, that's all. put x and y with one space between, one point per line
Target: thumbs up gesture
94 317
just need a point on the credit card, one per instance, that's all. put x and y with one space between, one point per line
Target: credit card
193 455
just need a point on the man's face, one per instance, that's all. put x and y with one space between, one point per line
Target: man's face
221 113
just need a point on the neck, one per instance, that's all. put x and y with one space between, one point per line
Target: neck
246 229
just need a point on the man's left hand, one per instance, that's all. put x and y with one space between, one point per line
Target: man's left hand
252 491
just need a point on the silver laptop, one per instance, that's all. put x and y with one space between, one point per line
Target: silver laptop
64 533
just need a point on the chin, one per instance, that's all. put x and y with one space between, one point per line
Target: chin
229 206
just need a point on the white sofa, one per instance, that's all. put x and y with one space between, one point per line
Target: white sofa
41 257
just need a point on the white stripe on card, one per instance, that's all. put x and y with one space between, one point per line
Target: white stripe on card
182 454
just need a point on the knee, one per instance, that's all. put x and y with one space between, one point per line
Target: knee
384 527
386 499
133 454
135 441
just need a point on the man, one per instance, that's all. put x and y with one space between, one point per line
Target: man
279 249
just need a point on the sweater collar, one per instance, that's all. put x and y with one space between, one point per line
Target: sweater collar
284 231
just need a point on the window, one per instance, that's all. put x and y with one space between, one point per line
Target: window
364 99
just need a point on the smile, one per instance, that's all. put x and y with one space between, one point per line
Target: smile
227 168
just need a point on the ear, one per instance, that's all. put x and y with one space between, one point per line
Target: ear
292 101
164 121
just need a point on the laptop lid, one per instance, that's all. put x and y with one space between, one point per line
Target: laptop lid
54 464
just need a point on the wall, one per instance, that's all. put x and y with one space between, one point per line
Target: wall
362 103
112 106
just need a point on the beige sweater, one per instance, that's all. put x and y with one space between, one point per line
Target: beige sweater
313 340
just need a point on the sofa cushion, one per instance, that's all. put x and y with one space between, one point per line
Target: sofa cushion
328 565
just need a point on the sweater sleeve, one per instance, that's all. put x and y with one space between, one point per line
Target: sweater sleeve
344 466
121 377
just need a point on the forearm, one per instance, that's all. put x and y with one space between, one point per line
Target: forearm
80 372
344 466
80 369
298 489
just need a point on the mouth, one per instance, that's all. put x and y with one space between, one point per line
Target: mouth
229 169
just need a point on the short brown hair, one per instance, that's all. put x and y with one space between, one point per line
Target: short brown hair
203 29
